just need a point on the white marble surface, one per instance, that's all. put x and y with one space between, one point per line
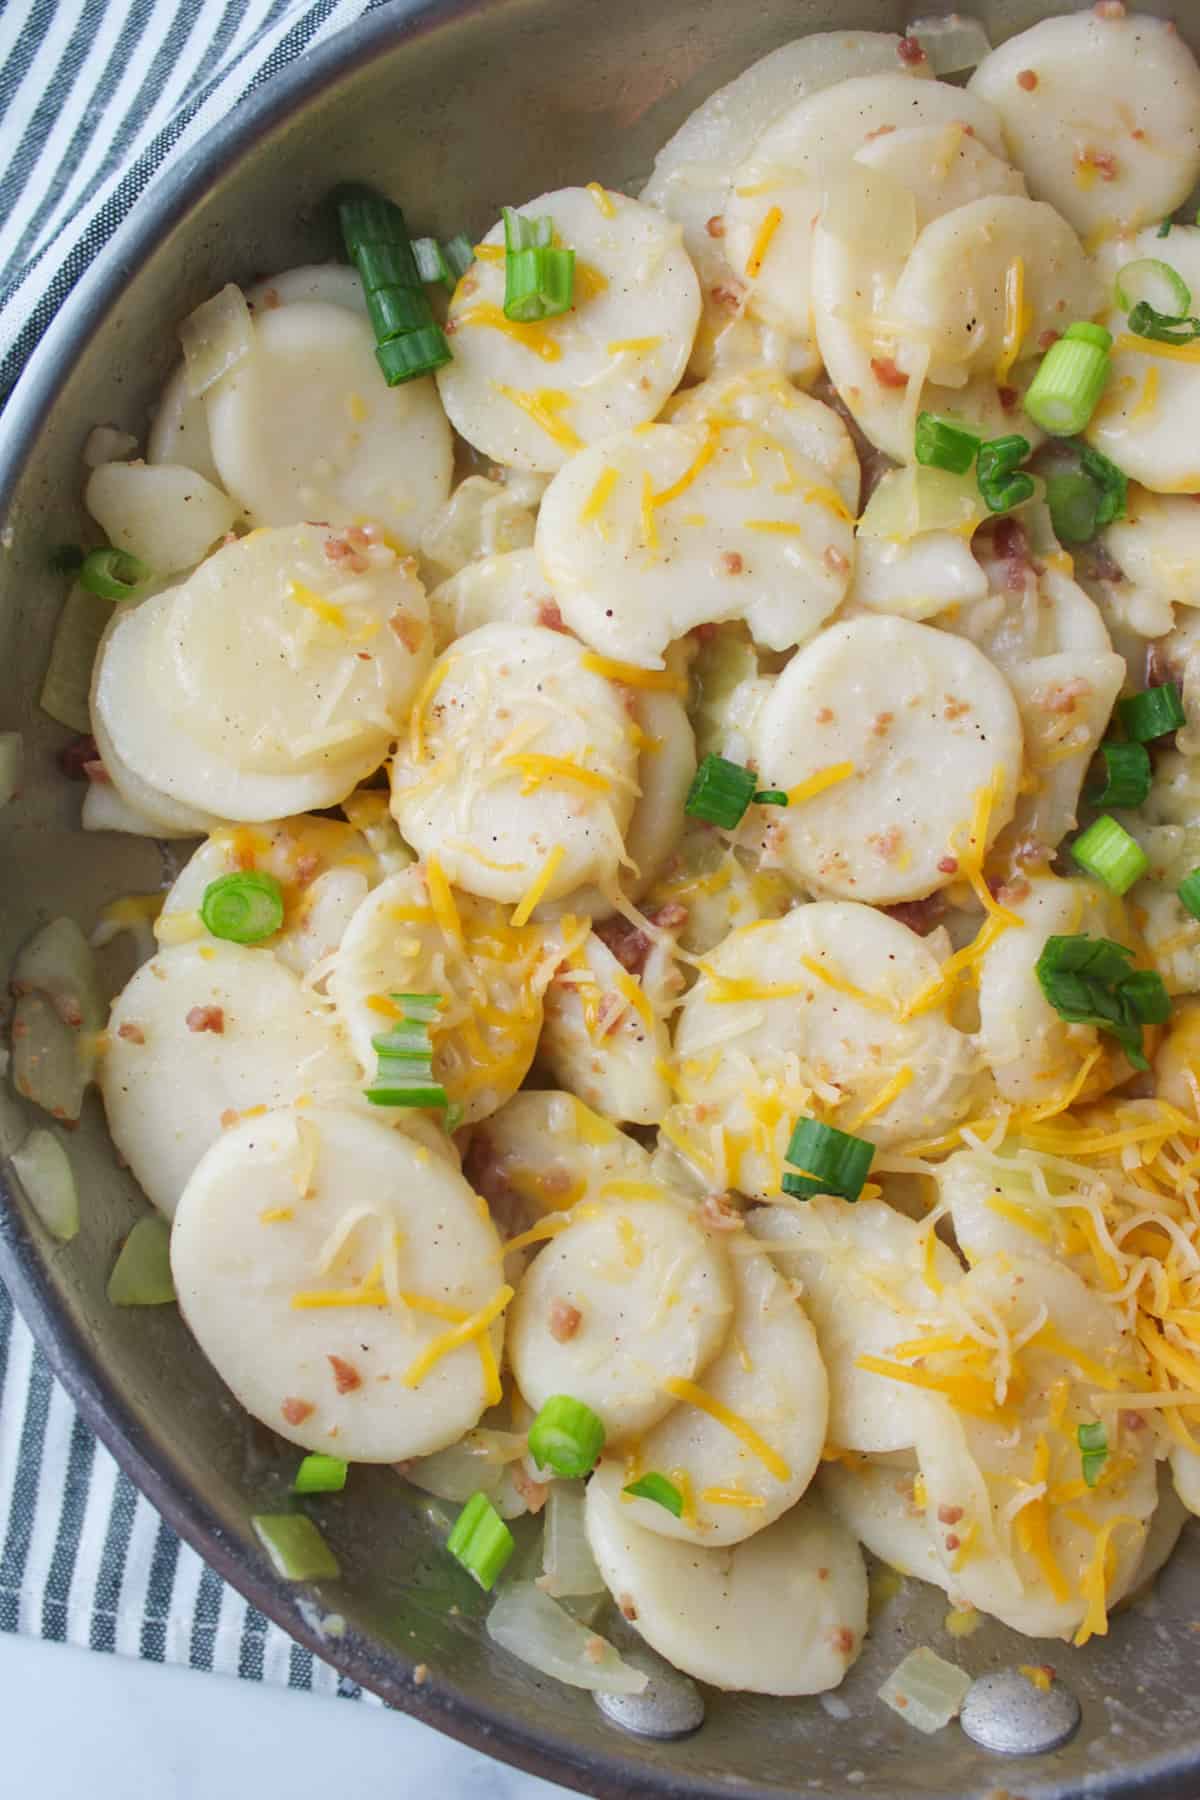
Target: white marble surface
77 1724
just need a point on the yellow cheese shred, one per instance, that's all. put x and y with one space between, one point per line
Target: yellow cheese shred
429 688
691 1395
657 681
817 784
325 610
1188 353
456 1337
545 407
903 1078
441 899
1096 1578
722 1496
1016 318
599 497
772 220
535 336
602 200
535 770
700 461
968 1393
533 893
635 346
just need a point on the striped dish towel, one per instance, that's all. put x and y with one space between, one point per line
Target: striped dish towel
97 97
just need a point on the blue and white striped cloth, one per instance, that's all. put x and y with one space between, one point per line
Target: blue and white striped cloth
96 98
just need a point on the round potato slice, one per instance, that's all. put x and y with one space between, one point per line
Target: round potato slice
654 532
200 1035
164 514
179 429
1157 550
1143 422
783 1613
769 1377
1100 112
305 427
905 726
764 398
813 1004
332 284
929 574
650 1298
498 590
284 1223
1020 1533
544 1151
324 867
942 166
413 936
870 1284
142 797
878 1504
531 395
520 764
314 643
779 190
602 1039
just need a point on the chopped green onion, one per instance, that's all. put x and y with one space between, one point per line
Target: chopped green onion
1073 501
1126 775
524 233
459 253
1152 713
1112 482
408 341
1070 380
431 262
481 1541
939 444
295 1546
771 797
1148 279
831 1161
1163 328
659 1489
1089 981
1000 481
246 907
1093 1447
720 792
141 1275
112 574
404 1075
539 277
453 1117
1164 229
566 1436
1107 851
1189 893
321 1475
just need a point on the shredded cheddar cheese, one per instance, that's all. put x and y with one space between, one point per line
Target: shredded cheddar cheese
533 893
456 1337
325 610
603 200
772 220
817 784
691 1395
536 336
655 681
545 406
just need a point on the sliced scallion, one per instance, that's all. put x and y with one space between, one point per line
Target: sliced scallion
829 1161
113 574
1107 851
940 444
1111 481
459 253
481 1541
1070 380
404 1075
141 1275
720 792
655 1487
539 276
771 797
1093 1450
1156 282
321 1475
567 1436
431 261
1073 501
1162 328
1152 713
1127 775
1189 893
1001 481
296 1548
1089 981
409 342
245 907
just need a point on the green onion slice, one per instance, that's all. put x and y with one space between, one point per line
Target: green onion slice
414 354
940 444
141 1275
566 1436
1000 481
1163 328
720 792
1093 1448
659 1489
1155 282
1112 482
771 797
1089 981
459 253
113 574
1107 851
246 907
1164 229
295 1547
1070 380
431 261
404 1075
408 341
1152 713
481 1541
321 1475
1126 775
1074 502
539 276
830 1161
1189 892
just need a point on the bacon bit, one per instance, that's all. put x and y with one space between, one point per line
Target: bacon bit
919 915
952 1540
271 299
343 554
1103 161
565 1321
242 856
949 1515
345 1376
229 1117
879 131
1102 564
630 946
296 1411
1013 891
834 561
1158 666
308 867
955 709
133 1034
594 1648
1027 79
726 296
96 771
1048 337
884 369
1132 1421
411 632
1063 696
1012 547
532 1492
73 759
609 1013
715 226
948 865
1008 397
628 1607
1030 852
879 727
910 52
206 1018
731 562
549 617
824 715
842 1639
1109 9
888 843
717 1214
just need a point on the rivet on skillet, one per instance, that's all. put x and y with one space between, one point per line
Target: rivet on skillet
1005 1712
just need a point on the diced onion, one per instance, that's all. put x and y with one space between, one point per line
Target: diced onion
57 961
104 810
569 1568
914 499
951 44
49 1066
165 515
105 444
216 338
68 681
925 1690
44 1170
11 746
477 1464
141 1275
535 1629
481 518
369 812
